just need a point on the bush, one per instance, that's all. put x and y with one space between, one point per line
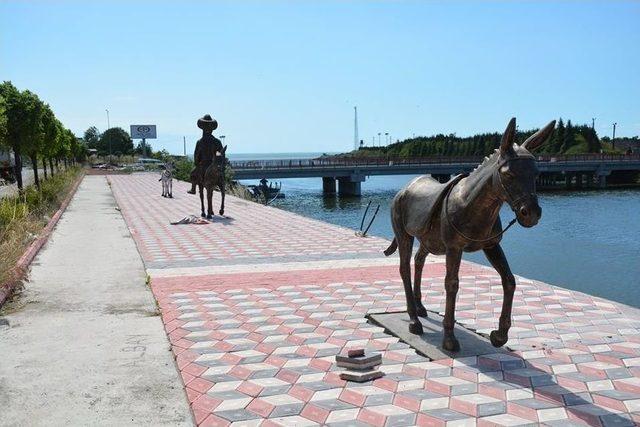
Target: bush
23 216
183 168
34 203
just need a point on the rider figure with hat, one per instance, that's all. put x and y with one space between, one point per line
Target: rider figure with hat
206 149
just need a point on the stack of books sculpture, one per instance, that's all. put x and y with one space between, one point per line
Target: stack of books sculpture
359 367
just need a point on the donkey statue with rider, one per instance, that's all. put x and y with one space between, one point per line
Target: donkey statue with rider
463 216
210 162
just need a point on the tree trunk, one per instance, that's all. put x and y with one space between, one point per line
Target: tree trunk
18 168
66 164
34 163
44 167
51 166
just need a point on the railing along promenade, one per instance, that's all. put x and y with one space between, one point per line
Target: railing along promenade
351 171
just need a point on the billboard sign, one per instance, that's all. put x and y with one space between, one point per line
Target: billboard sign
143 131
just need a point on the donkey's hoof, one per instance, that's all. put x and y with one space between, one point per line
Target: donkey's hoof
415 327
498 339
210 216
171 196
191 191
203 215
421 311
451 344
221 212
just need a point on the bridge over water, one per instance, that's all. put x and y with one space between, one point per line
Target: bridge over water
348 172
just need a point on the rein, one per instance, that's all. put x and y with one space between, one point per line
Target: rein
450 222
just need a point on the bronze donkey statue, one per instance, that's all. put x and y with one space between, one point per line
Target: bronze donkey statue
463 215
214 177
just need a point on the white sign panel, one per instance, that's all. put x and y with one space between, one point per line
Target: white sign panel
143 131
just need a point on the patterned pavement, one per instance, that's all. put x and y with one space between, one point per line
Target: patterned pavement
255 342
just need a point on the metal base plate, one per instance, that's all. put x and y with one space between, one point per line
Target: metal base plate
429 344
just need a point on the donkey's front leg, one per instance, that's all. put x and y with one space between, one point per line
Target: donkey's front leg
200 191
496 257
221 199
449 342
209 202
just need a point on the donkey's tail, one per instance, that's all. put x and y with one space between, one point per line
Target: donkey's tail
392 247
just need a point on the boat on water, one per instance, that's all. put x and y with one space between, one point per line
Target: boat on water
266 191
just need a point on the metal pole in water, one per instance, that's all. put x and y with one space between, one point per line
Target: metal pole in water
371 222
365 215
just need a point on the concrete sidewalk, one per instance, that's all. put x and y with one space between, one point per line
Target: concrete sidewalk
84 344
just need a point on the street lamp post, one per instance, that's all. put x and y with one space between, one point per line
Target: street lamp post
379 138
386 138
109 127
613 138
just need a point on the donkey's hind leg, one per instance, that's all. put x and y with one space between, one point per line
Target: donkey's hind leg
405 247
420 257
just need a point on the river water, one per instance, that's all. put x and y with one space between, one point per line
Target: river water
587 241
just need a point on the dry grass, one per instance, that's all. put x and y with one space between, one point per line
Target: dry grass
23 217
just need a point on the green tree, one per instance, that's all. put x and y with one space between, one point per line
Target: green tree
3 120
51 128
144 149
14 113
118 140
92 137
568 138
33 132
558 137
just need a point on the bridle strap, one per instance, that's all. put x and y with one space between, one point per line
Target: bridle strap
510 200
446 212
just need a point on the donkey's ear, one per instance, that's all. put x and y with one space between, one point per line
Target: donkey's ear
509 136
538 138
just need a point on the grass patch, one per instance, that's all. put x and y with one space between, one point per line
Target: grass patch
22 217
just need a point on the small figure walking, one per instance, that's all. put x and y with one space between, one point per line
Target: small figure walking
206 149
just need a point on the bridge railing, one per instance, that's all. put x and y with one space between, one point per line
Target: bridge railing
341 162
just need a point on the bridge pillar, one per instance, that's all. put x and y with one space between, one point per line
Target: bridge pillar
328 185
602 181
350 185
567 180
602 174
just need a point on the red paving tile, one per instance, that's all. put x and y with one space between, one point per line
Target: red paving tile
258 345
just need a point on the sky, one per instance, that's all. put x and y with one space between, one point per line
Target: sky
284 76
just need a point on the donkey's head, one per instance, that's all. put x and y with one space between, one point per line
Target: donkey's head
516 173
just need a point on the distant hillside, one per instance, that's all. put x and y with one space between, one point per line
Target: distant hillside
566 139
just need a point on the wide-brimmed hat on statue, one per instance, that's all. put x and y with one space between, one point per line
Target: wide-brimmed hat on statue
208 122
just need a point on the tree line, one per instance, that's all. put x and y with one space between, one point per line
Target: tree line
115 141
30 129
566 139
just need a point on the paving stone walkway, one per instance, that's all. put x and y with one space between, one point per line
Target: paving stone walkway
258 304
